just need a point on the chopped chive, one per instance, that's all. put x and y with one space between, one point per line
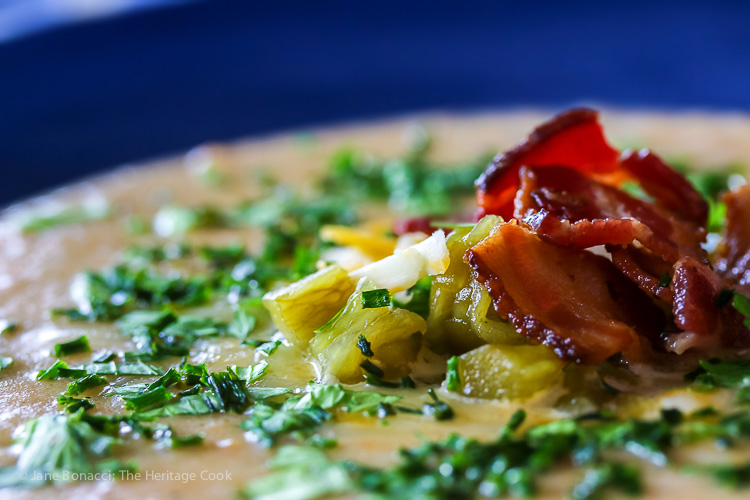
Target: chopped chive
376 298
452 376
372 368
385 409
407 382
365 347
331 321
379 382
437 409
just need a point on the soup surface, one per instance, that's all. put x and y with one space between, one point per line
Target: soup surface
38 267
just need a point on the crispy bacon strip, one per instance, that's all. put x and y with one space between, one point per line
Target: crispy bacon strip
734 252
701 310
695 291
571 209
574 139
571 300
644 269
668 187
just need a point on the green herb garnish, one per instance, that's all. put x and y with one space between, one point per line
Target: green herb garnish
54 444
742 304
7 326
72 404
438 409
376 298
417 298
84 383
74 214
452 376
81 344
364 346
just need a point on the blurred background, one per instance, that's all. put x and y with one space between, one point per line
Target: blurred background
89 84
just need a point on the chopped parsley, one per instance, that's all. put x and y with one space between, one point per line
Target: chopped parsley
85 383
267 423
242 324
200 403
61 443
72 405
301 473
81 344
60 369
109 294
725 374
610 476
268 348
300 416
148 398
510 465
411 184
252 373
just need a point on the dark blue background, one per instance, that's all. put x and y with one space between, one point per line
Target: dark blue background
81 98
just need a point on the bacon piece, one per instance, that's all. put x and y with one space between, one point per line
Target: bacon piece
566 207
667 186
643 268
571 300
695 293
702 309
734 252
573 138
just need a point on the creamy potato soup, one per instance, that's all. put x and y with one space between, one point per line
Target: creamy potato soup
277 318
